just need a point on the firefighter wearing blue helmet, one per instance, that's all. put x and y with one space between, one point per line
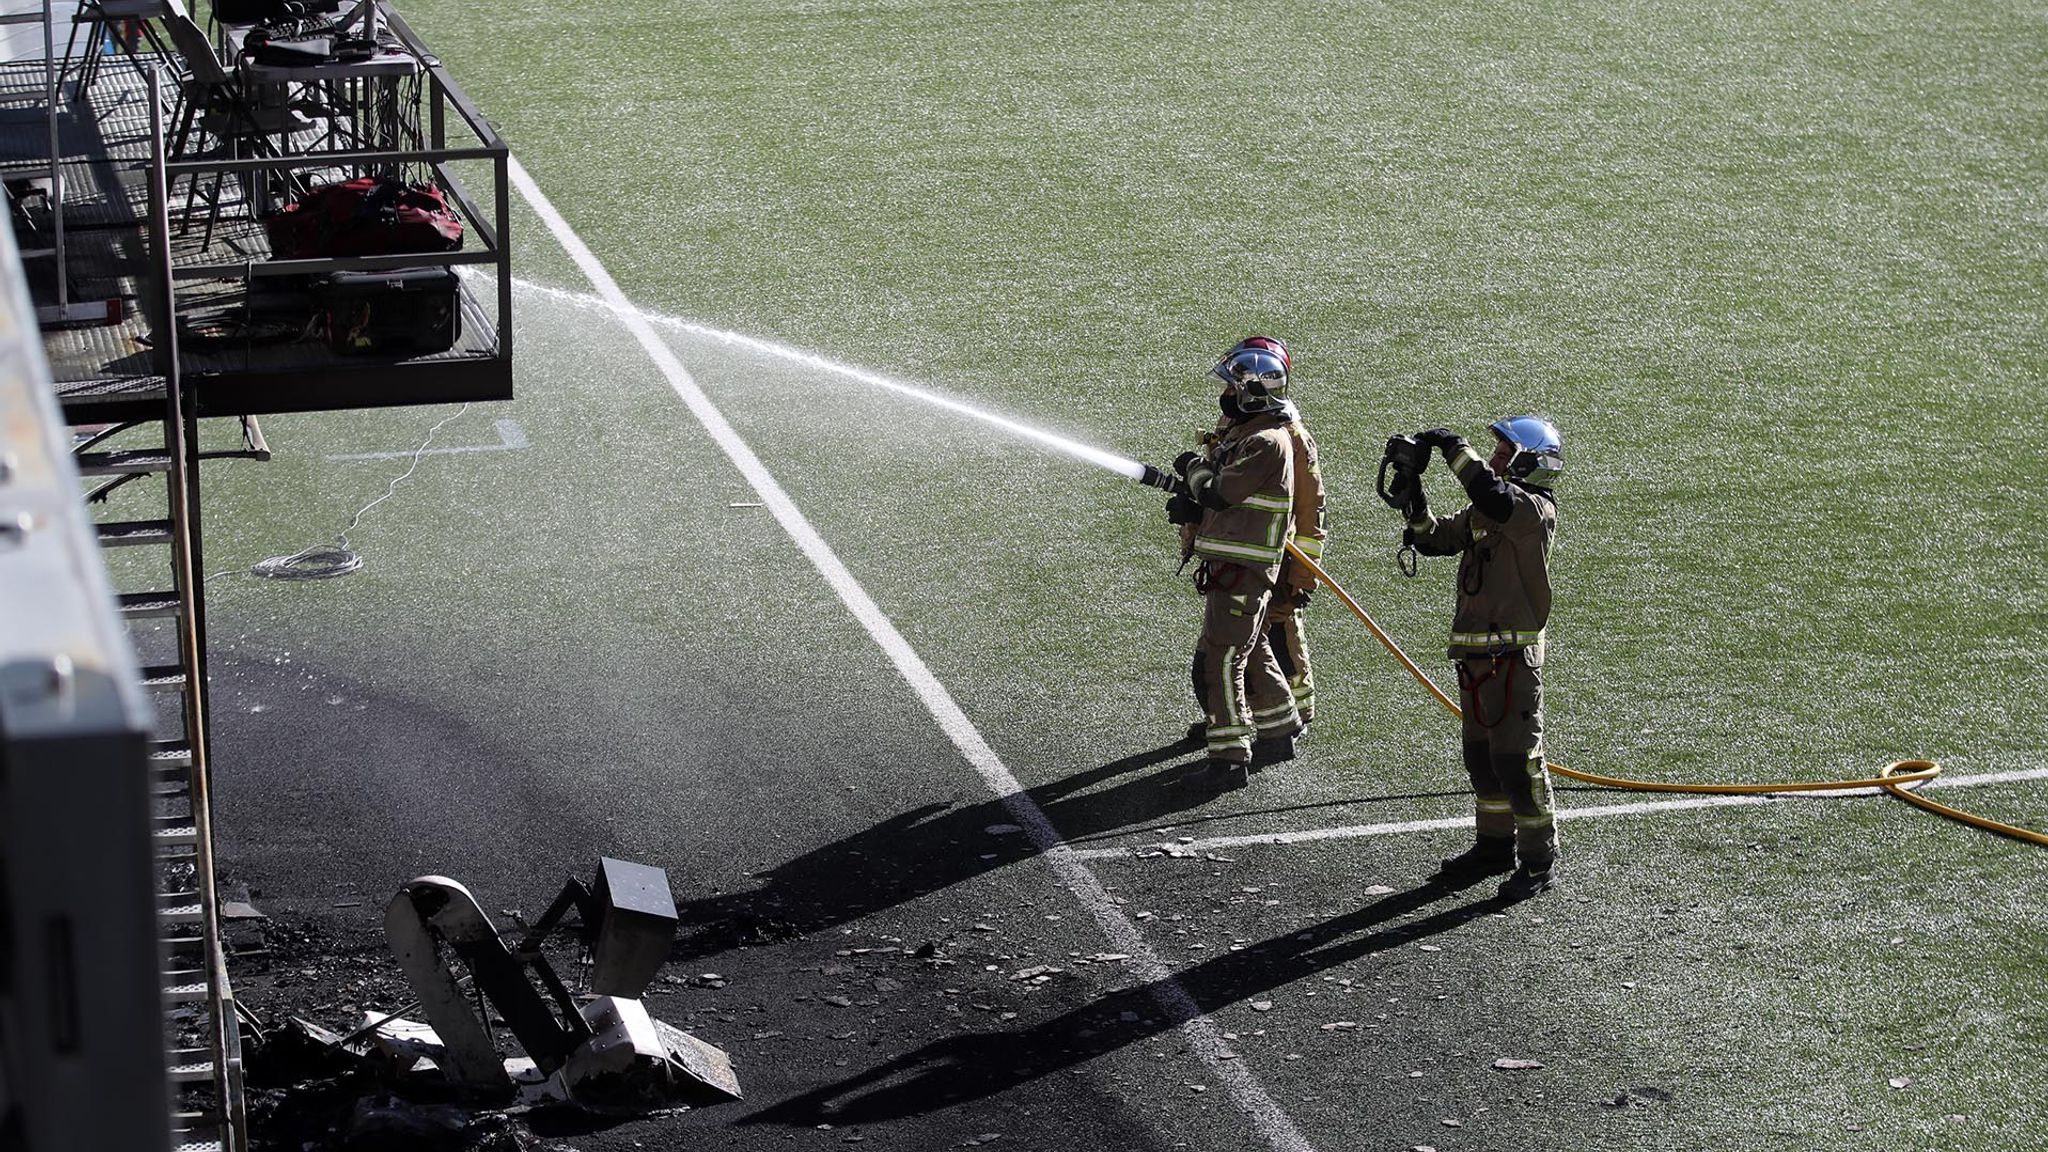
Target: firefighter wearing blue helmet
1238 497
1503 541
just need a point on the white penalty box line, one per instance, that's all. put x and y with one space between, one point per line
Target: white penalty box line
511 437
1596 812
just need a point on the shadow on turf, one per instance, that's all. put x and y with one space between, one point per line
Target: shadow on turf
932 847
963 1068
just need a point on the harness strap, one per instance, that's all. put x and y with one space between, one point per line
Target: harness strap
1468 682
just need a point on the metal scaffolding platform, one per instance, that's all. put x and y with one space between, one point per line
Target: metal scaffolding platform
249 344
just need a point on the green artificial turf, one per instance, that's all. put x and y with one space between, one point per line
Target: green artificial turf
1776 271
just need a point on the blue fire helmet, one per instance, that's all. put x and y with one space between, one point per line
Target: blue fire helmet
1539 450
1259 375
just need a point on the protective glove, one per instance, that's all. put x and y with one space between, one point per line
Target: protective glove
1182 509
1442 439
1185 461
1296 582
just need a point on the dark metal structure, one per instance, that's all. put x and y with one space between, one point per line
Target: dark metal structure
137 193
80 984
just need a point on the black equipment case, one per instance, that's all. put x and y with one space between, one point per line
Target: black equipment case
409 312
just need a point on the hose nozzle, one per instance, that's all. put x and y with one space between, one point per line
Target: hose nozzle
1159 478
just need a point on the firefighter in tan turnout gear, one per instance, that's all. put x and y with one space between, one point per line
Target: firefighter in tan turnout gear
1238 495
1309 531
1503 542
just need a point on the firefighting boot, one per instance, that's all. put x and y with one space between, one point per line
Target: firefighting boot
1530 878
1228 775
1271 750
1488 856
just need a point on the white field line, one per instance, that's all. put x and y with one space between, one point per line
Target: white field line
1598 811
1273 1125
510 436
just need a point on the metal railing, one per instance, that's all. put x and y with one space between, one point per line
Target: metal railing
440 96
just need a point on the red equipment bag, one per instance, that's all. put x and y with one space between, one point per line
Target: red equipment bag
367 216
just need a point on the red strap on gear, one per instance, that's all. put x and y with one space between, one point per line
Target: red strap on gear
1470 683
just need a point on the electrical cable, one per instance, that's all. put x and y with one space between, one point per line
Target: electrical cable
1898 778
323 561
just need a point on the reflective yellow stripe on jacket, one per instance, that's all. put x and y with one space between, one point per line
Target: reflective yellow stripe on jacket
1277 510
1497 639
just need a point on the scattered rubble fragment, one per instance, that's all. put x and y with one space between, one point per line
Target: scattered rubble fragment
406 1047
387 1121
1637 1098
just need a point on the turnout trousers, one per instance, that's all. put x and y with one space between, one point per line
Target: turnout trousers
1503 736
1238 680
1290 647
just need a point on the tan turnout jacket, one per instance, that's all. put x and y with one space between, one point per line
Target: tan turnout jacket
1310 531
1503 566
1250 472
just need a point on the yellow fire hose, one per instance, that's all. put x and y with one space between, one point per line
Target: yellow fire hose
1895 778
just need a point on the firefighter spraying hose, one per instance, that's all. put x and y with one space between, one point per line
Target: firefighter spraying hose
1400 487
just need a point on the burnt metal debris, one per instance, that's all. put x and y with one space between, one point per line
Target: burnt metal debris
600 1052
628 921
607 1053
